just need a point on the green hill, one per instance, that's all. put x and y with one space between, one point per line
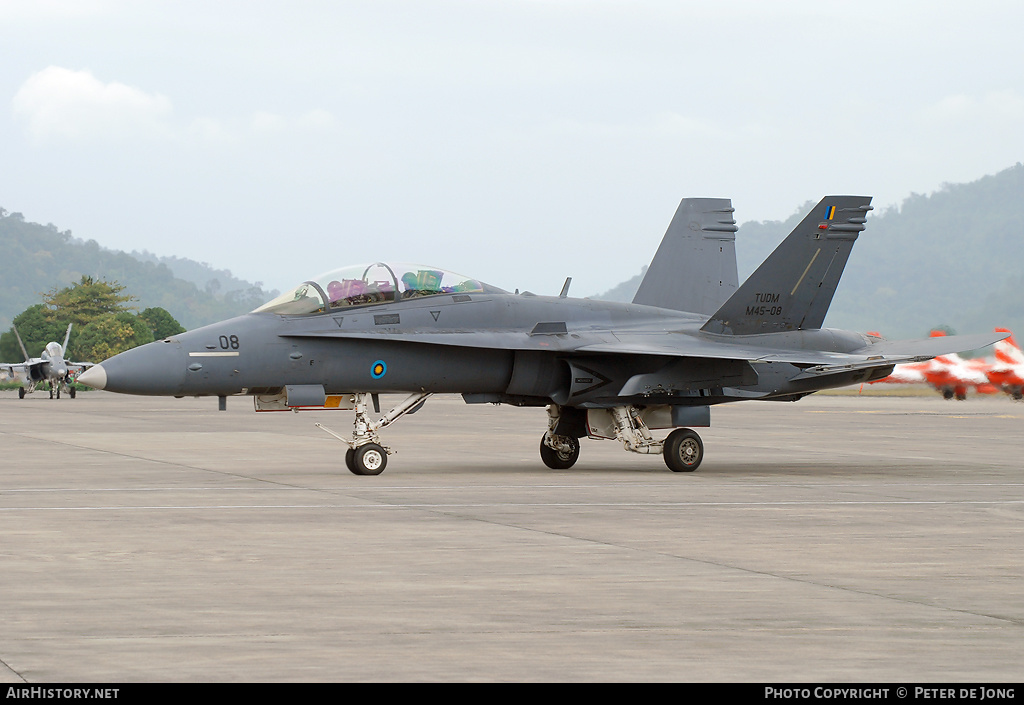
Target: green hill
951 258
37 258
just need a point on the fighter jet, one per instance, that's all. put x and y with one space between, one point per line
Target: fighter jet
50 367
692 338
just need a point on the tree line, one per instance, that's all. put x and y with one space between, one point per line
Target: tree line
104 323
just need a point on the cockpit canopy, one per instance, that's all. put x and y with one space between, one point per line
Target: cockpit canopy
368 284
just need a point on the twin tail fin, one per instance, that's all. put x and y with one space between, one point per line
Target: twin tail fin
793 288
694 269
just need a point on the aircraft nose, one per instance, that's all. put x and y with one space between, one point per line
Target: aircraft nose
154 369
95 377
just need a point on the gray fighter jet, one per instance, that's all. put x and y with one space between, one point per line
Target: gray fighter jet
691 338
50 367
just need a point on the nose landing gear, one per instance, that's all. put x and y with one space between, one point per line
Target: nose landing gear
365 454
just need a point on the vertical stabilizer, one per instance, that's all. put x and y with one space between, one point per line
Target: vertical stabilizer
1007 350
21 344
793 288
694 269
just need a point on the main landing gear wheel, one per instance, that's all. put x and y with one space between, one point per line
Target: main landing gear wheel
560 459
21 392
683 450
369 459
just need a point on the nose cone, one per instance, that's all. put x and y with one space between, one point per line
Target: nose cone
95 377
153 369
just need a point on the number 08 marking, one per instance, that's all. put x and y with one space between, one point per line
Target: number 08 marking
229 342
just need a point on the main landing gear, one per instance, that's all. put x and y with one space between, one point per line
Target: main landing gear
55 389
683 450
365 454
559 452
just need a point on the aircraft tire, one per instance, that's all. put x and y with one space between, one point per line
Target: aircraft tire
683 450
560 460
21 392
348 461
369 459
71 391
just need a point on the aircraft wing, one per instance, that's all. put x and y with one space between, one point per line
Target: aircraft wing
13 369
17 371
25 367
555 337
661 343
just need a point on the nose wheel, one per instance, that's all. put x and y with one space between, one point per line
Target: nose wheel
369 459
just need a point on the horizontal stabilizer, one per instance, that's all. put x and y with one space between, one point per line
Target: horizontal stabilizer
927 348
898 352
694 269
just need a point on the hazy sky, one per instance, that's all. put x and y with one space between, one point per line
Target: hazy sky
518 141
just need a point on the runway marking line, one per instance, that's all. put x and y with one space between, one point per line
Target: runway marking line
470 505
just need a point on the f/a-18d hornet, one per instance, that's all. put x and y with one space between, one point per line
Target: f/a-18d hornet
50 367
692 338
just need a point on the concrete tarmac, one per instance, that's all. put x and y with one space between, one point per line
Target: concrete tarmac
836 539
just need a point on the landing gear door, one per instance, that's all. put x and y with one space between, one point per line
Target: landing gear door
303 397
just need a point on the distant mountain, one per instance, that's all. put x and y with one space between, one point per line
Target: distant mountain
214 281
951 258
37 258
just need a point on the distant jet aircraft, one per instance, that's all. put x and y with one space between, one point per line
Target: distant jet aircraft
1007 372
691 338
50 367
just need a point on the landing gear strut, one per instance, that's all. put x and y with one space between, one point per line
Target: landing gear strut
365 454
